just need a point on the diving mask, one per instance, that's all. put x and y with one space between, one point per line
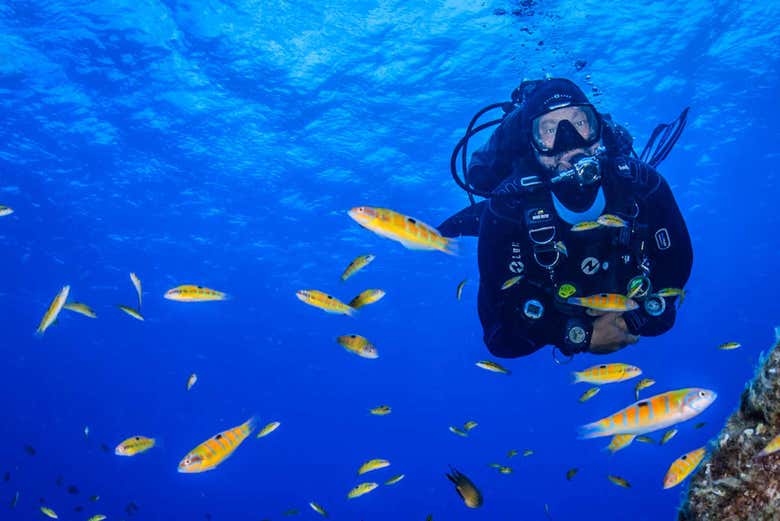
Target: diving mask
565 128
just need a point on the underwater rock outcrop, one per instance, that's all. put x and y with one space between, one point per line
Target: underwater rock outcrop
732 485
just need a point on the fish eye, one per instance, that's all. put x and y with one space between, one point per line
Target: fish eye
702 394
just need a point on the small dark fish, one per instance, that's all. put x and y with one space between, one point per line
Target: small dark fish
208 516
73 489
94 498
60 481
131 508
29 449
7 476
571 473
42 500
465 488
429 517
617 480
699 425
78 508
105 448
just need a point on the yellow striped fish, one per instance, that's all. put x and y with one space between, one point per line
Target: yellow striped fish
493 367
359 345
214 451
459 289
508 283
682 467
268 429
325 302
611 221
607 373
728 346
605 302
134 445
81 309
771 447
395 479
620 441
381 410
373 464
137 284
48 512
356 265
644 383
658 412
617 480
590 393
54 310
585 226
97 517
193 293
132 312
363 488
668 435
317 508
366 297
413 234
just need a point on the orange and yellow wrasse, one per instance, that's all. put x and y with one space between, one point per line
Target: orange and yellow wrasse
381 410
652 414
81 309
607 373
373 464
325 302
356 265
54 310
585 226
668 435
137 284
611 221
191 381
134 445
644 383
459 289
493 367
621 482
132 312
366 297
363 488
605 302
217 449
5 210
682 467
317 508
728 346
395 479
48 512
193 293
268 429
590 393
465 488
511 282
469 425
413 234
771 447
358 345
620 441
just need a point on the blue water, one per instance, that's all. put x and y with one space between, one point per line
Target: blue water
221 143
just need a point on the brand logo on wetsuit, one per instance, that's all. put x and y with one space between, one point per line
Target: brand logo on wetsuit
590 265
539 216
517 267
662 239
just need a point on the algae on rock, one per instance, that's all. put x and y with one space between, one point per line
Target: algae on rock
732 485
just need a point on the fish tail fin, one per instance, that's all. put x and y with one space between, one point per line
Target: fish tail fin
250 425
590 430
351 311
576 377
450 247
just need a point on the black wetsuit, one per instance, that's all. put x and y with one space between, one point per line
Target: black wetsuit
602 260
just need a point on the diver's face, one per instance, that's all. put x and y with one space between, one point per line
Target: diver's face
546 128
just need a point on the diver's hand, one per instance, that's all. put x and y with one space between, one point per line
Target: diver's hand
610 334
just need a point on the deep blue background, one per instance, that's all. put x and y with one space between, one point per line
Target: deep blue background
221 143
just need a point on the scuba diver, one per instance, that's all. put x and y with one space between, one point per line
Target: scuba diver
554 162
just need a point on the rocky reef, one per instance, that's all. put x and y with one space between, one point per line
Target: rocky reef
732 485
